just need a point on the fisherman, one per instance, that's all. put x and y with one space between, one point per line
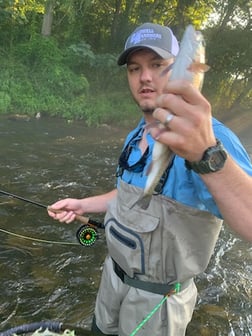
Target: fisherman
158 251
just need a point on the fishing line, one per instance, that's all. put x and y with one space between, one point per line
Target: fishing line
37 239
176 290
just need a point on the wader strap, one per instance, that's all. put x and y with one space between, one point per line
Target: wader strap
153 287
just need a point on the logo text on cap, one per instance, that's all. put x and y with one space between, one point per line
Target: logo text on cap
143 35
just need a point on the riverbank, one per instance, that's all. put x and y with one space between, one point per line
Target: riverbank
241 123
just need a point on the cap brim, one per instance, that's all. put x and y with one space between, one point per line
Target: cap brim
123 58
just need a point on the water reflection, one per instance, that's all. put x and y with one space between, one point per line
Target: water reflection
46 160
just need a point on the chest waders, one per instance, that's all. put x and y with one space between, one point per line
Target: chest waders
150 251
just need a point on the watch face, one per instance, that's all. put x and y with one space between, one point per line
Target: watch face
216 160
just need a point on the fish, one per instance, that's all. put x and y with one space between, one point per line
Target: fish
189 65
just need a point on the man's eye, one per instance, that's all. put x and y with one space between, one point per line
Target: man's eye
133 69
156 65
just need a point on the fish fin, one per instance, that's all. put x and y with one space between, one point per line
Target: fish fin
143 202
198 67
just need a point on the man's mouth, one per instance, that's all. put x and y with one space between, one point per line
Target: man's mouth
146 91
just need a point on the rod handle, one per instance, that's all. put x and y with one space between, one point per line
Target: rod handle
82 219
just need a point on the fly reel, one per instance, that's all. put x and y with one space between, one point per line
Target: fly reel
86 235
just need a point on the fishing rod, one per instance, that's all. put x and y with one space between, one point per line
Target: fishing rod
86 234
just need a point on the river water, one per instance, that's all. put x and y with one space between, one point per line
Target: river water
47 275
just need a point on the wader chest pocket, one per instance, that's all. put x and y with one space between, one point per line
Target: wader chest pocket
129 247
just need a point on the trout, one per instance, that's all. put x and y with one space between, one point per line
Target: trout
189 65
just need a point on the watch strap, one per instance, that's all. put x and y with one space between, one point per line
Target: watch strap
200 167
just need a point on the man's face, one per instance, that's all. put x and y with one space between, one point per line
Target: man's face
146 81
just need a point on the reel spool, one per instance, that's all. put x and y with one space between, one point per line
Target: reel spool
86 235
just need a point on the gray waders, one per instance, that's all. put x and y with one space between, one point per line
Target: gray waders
150 251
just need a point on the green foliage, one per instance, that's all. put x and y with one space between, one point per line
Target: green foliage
101 70
37 80
229 56
5 101
38 76
74 73
115 108
39 51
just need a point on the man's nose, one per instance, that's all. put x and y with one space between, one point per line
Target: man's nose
146 75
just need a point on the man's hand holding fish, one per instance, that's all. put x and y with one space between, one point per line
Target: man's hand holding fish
189 134
190 131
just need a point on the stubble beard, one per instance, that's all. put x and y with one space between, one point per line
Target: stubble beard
146 109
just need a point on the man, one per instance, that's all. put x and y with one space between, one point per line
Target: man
155 251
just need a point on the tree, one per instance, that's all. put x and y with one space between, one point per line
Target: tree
48 18
229 55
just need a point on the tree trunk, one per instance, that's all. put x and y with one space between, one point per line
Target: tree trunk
48 18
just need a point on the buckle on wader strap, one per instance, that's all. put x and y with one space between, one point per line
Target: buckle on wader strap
153 287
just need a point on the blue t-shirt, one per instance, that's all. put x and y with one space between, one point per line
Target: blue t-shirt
184 185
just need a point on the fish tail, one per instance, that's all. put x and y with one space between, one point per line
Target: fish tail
143 202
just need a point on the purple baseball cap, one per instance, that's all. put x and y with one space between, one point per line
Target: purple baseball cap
153 36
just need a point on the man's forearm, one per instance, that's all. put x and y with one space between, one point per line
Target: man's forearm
231 188
99 203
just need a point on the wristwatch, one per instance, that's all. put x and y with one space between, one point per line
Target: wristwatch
212 161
